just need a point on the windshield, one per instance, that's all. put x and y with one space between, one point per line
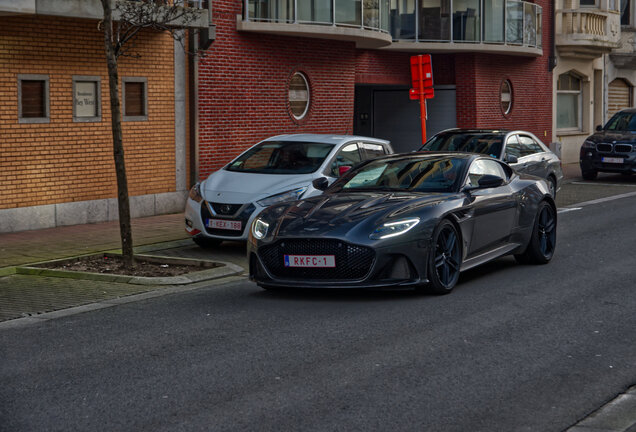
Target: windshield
431 174
282 157
474 142
622 121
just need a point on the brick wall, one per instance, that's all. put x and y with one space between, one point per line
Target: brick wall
65 161
243 88
393 68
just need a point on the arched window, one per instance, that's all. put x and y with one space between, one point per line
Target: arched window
569 101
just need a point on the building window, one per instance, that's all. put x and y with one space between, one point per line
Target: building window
135 96
587 3
298 95
506 96
569 107
87 99
33 98
625 12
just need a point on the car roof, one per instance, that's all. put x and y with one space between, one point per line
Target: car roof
461 130
325 138
628 110
434 154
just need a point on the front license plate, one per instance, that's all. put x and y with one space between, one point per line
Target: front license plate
224 224
612 160
310 260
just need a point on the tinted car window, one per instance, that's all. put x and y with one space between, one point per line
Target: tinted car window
513 148
347 156
408 174
529 146
372 151
282 157
622 121
481 167
474 142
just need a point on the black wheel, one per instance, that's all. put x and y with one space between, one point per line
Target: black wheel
543 241
445 259
589 174
206 243
552 186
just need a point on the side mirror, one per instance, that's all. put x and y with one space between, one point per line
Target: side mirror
320 183
511 159
599 128
490 181
343 169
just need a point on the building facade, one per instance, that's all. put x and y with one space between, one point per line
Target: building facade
342 67
57 164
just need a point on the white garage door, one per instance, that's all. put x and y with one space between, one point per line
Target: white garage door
397 118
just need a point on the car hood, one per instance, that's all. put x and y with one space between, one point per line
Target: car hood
240 187
344 214
610 136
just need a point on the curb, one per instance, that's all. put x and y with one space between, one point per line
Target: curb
221 269
619 415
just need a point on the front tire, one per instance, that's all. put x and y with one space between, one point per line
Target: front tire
543 241
207 243
444 259
589 174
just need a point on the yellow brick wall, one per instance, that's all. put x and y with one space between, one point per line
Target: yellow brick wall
64 161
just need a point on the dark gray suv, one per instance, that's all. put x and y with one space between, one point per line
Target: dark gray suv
612 148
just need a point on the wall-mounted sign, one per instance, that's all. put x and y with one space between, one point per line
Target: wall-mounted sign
85 99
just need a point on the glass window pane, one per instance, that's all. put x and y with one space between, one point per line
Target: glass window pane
86 99
372 13
402 19
625 12
315 11
530 25
271 10
135 99
567 110
539 26
466 20
514 20
348 12
494 20
435 20
33 99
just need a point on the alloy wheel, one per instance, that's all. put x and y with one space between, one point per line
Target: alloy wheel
447 257
547 231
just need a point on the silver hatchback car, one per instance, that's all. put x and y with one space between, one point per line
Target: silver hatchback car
522 150
278 169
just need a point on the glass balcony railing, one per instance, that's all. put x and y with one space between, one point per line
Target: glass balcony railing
510 22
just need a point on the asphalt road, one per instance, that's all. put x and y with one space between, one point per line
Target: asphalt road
513 348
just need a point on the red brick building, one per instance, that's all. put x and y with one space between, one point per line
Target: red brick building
490 61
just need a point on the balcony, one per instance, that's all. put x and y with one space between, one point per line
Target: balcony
489 26
587 32
624 57
89 9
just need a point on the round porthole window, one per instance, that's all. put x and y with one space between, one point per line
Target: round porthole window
506 96
298 95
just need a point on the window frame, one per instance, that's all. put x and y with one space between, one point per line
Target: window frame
305 112
47 98
142 80
98 98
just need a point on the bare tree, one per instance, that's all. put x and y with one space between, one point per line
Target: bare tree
122 24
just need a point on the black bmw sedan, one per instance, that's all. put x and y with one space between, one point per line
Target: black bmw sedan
612 148
412 220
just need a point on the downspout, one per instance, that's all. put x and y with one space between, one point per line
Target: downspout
194 113
552 60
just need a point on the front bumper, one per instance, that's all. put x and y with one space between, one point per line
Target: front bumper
611 161
398 266
197 212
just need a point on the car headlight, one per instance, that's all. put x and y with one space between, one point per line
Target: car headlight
589 144
259 228
195 193
291 195
392 229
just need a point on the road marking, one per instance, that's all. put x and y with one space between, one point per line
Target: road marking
568 209
601 184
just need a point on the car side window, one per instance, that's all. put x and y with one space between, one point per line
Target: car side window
481 167
349 156
372 150
513 148
529 146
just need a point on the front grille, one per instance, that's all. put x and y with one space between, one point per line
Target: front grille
605 148
353 262
225 209
243 216
623 148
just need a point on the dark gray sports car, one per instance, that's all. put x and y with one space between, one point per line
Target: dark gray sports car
411 220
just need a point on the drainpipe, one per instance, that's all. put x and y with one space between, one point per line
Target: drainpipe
552 60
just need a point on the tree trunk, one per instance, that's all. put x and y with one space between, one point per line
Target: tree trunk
118 145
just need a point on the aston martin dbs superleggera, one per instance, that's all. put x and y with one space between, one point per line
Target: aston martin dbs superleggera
410 220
